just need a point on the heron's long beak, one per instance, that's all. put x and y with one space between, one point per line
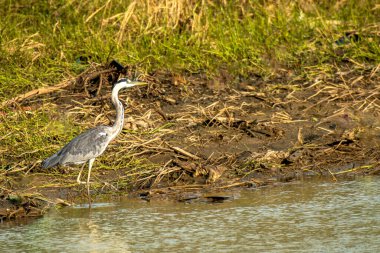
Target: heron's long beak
138 83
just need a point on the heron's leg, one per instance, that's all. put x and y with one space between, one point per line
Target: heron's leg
90 162
80 173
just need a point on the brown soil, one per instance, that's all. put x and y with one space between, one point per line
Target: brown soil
199 135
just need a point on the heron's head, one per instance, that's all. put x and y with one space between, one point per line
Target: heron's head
126 83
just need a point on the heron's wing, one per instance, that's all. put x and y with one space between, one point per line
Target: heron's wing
85 146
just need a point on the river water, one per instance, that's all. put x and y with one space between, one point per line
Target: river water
308 216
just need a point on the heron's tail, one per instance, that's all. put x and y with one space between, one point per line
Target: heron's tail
50 162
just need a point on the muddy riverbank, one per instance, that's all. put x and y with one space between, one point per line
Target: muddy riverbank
187 136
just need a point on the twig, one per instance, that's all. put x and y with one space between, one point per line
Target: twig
237 184
185 153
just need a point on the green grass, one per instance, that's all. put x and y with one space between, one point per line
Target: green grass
41 41
25 134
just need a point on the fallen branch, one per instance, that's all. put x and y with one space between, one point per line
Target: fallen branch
39 91
87 75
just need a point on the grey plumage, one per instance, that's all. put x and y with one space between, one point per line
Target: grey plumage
92 143
82 148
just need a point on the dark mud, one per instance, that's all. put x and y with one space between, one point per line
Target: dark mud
196 135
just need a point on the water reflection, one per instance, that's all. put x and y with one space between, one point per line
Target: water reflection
302 217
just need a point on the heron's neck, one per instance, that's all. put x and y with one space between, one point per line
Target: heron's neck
119 122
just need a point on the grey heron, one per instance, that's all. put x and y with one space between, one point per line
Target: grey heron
92 143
